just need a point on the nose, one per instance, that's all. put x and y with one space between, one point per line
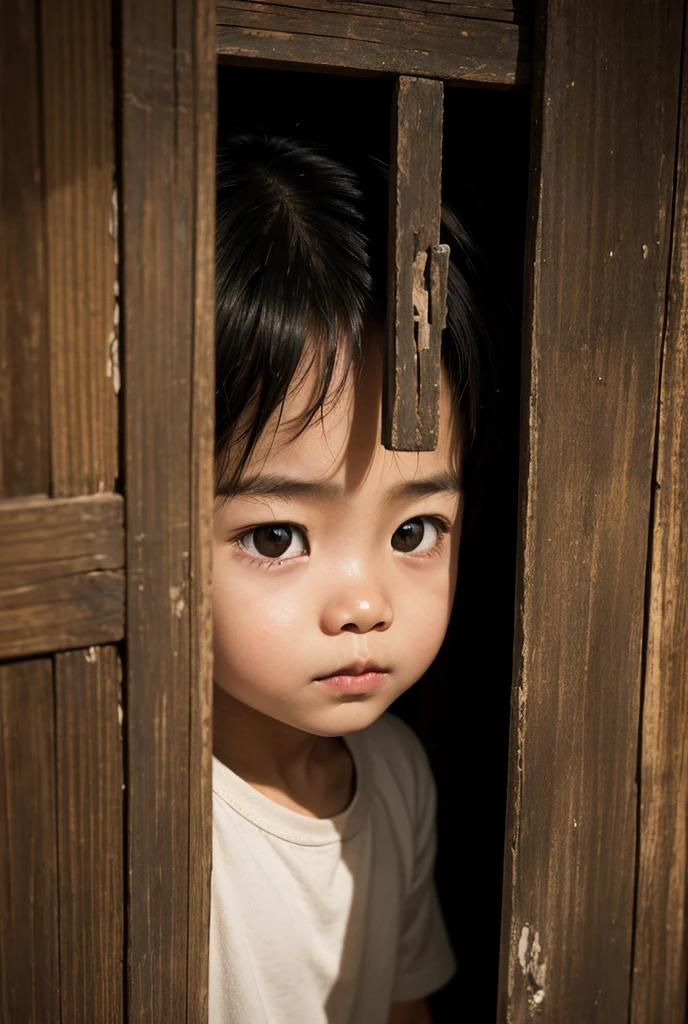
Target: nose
357 605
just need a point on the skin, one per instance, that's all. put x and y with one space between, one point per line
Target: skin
341 595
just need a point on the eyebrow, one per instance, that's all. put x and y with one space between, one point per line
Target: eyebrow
274 486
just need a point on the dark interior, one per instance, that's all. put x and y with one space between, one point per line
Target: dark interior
461 708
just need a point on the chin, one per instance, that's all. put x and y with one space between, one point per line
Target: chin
351 714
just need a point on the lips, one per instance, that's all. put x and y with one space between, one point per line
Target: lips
356 679
357 668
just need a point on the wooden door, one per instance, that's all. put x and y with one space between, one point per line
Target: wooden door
106 190
106 355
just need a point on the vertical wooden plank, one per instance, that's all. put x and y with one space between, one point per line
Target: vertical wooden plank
29 972
90 805
412 373
78 140
202 494
660 962
24 442
602 188
164 93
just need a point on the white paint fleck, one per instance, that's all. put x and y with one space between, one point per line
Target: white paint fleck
112 368
646 252
575 823
611 252
177 600
91 655
533 966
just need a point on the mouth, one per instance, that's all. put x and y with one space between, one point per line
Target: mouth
360 677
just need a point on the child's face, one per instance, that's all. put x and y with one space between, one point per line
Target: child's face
334 572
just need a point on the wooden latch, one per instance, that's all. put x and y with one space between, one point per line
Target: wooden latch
418 269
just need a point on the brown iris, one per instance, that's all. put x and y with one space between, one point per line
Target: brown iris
272 540
409 535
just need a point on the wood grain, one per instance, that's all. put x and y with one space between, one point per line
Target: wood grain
412 363
202 496
660 963
62 613
90 805
401 39
45 539
24 438
77 77
29 971
58 589
165 190
596 284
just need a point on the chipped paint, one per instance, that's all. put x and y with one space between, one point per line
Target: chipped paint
177 600
91 655
534 968
112 368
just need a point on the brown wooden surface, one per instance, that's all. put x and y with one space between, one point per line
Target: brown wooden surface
90 805
165 178
58 589
437 40
660 963
45 539
596 280
29 969
412 370
24 439
61 613
202 494
78 141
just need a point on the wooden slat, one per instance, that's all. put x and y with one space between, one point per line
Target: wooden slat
90 806
660 964
65 612
24 441
165 188
59 581
596 283
29 972
412 371
393 39
44 539
202 495
80 257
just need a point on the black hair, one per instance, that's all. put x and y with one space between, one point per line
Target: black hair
301 255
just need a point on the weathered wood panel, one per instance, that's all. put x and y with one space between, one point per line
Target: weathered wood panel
24 440
660 963
597 272
165 192
78 146
45 539
90 805
58 589
412 355
435 40
61 613
29 971
202 494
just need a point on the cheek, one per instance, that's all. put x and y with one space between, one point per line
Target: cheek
255 625
422 619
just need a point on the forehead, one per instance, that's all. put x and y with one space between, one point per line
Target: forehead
342 443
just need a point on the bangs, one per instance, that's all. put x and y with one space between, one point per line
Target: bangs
293 285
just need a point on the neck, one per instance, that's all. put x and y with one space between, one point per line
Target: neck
258 748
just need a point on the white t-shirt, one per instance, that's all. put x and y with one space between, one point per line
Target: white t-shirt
328 921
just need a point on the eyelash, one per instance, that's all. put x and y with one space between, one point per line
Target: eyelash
442 525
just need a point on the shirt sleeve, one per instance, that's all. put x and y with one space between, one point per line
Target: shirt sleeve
425 960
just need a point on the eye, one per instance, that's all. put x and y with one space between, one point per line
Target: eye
419 534
275 540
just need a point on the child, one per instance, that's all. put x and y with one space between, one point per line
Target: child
335 565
